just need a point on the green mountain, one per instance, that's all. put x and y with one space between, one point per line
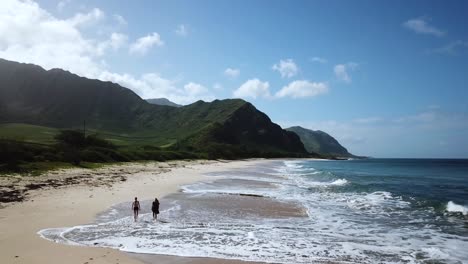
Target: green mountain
316 141
59 99
162 101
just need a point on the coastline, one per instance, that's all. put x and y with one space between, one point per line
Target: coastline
78 204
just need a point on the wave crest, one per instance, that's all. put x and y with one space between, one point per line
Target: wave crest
339 182
456 208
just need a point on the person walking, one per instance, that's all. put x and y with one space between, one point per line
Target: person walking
155 208
136 208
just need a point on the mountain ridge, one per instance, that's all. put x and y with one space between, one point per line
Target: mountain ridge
162 101
57 98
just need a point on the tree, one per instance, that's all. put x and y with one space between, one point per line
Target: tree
72 138
71 142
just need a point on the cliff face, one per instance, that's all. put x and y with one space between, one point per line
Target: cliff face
247 125
316 141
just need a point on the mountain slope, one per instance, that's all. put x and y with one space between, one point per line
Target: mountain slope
57 98
316 141
162 101
60 99
252 131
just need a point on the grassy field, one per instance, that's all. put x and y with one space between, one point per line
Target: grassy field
45 135
35 149
28 133
137 139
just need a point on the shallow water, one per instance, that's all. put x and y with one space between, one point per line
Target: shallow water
370 211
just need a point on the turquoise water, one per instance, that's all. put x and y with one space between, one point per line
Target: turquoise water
358 211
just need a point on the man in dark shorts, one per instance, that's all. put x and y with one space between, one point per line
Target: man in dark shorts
155 208
136 208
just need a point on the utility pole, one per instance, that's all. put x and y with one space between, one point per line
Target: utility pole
84 128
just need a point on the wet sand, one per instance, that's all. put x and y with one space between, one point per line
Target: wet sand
235 206
163 259
241 183
224 206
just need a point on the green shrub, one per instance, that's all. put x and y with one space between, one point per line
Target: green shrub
95 141
91 155
72 138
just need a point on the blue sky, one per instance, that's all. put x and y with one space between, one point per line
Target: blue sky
386 78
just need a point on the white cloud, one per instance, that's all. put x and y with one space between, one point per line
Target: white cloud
287 68
421 26
148 85
117 40
142 45
153 85
231 72
195 88
181 30
302 88
61 5
30 34
120 19
87 19
253 88
319 60
342 71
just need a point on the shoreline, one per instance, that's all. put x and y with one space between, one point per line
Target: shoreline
78 203
169 259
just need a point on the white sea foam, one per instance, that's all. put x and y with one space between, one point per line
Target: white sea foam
376 202
339 182
308 183
293 164
327 237
307 180
435 253
292 167
456 208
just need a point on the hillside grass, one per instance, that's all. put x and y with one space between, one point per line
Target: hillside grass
28 133
45 135
72 148
162 127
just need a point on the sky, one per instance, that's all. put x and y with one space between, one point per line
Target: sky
386 78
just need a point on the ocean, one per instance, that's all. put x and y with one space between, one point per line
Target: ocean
302 211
